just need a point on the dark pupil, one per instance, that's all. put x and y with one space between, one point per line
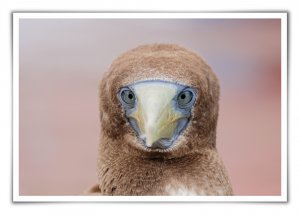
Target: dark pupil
182 96
130 96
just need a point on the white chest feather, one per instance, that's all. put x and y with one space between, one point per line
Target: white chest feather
181 190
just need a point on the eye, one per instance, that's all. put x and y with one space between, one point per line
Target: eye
128 96
185 97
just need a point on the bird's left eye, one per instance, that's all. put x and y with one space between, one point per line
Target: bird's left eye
128 96
185 97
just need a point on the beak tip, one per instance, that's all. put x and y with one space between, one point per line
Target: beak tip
159 144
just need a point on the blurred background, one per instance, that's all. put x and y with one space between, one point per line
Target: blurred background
62 61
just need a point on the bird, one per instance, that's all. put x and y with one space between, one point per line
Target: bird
159 106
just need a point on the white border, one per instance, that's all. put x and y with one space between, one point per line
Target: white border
18 198
15 108
150 15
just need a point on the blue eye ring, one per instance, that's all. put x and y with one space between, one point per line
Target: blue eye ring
127 97
185 98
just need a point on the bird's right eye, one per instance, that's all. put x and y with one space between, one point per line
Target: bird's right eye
128 97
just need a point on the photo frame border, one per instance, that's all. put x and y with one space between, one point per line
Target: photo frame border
283 16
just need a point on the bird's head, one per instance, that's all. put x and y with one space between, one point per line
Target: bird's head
159 101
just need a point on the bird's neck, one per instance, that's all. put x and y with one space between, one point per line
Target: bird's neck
130 175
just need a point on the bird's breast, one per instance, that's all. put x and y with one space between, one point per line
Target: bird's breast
192 189
180 190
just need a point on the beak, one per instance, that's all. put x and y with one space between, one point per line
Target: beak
155 115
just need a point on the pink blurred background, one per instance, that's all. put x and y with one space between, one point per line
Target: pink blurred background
61 62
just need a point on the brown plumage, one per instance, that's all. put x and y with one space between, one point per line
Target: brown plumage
193 166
